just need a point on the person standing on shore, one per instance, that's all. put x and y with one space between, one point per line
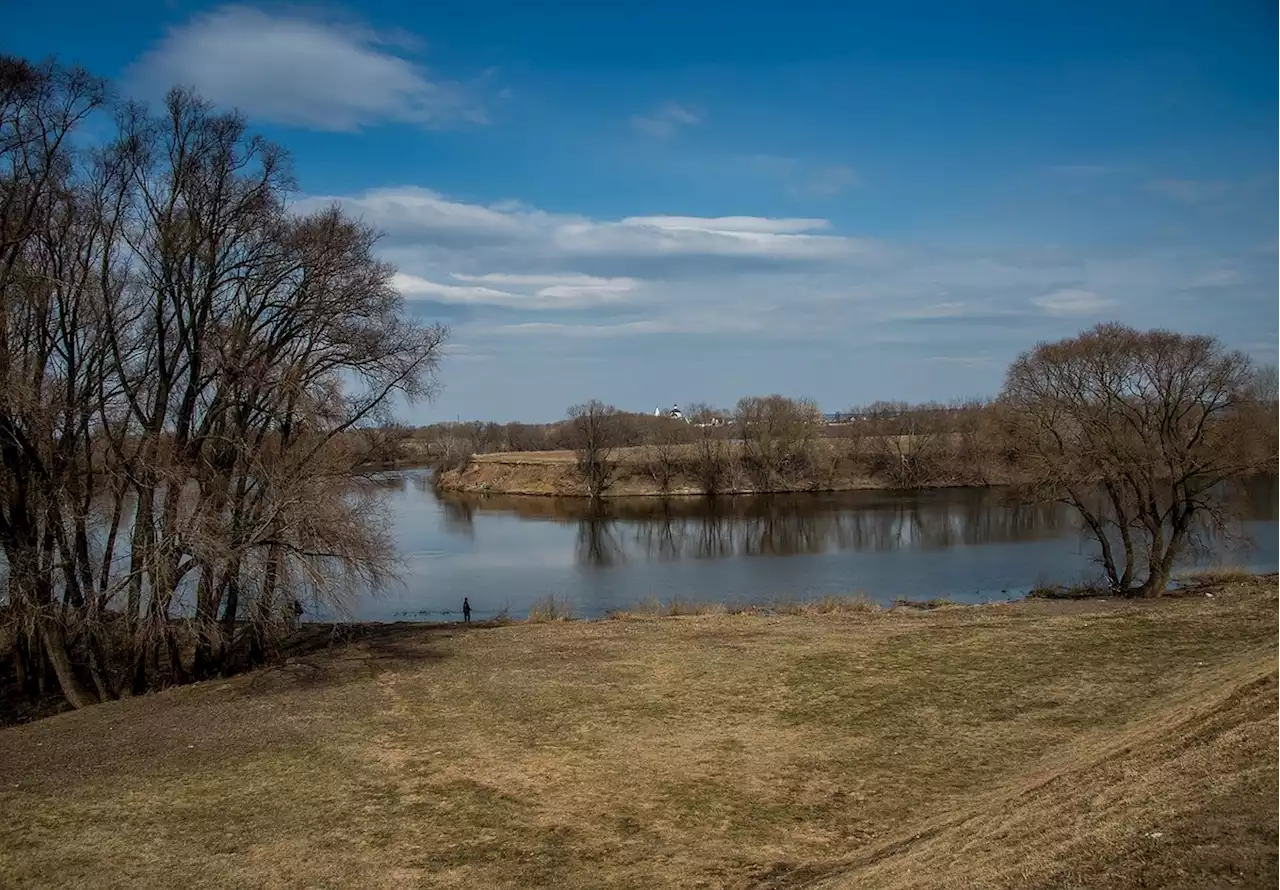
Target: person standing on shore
466 611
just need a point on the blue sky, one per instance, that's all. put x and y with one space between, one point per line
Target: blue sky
699 201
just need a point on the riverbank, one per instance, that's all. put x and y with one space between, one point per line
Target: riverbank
642 473
1100 743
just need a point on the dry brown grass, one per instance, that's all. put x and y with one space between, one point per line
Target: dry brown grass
672 608
551 608
1213 576
676 607
827 605
1041 744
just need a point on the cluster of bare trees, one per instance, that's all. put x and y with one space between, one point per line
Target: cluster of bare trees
183 361
775 443
449 446
768 443
912 446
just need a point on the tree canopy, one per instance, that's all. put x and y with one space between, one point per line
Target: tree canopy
1138 431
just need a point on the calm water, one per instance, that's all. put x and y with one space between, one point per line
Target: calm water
965 544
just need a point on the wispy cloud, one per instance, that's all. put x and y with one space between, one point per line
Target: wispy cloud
1216 191
301 69
963 360
697 324
421 216
1082 171
1216 278
512 272
665 121
1191 191
522 291
825 182
1071 301
804 178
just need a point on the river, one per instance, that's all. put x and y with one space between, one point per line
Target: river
970 545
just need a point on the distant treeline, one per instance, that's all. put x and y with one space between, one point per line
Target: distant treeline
769 443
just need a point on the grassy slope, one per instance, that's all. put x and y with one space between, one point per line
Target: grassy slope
1068 745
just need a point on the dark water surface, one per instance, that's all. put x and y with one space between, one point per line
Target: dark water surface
969 545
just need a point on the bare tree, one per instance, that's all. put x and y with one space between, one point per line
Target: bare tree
663 456
1135 430
593 431
777 435
908 444
1265 395
384 444
974 443
1265 387
710 457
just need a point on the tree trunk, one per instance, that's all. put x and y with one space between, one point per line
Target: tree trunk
55 647
23 670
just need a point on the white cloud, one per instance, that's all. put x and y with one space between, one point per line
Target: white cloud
420 216
665 121
416 213
1071 301
411 286
299 69
641 236
583 330
730 224
555 292
559 290
491 269
567 279
689 324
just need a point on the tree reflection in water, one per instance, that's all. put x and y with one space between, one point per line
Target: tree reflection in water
672 529
459 517
598 544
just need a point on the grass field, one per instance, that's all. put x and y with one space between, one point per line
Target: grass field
1064 744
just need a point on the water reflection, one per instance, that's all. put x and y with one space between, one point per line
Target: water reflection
509 552
459 516
667 530
599 543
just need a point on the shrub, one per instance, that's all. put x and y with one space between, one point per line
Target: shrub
551 608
